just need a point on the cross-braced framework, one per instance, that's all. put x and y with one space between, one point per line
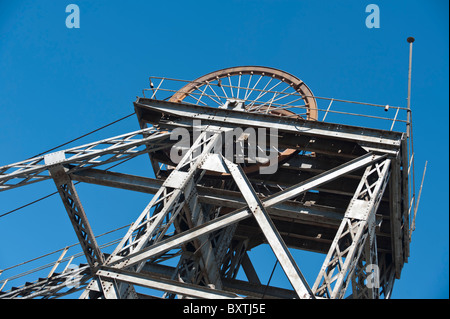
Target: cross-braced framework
357 227
337 189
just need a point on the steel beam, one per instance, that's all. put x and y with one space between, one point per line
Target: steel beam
246 288
396 208
162 284
348 243
57 285
209 195
372 139
269 230
90 155
75 211
366 276
292 210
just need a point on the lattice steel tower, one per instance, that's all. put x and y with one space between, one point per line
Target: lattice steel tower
242 157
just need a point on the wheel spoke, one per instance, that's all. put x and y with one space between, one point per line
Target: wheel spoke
197 99
203 92
264 92
248 85
239 84
261 93
218 102
231 86
251 91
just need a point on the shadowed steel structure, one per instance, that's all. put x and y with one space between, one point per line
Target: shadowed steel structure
339 189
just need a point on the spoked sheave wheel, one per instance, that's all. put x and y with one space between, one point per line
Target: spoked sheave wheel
252 89
259 89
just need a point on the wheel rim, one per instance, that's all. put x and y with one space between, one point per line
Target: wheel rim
261 88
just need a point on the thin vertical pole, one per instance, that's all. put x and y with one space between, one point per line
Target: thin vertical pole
410 41
413 226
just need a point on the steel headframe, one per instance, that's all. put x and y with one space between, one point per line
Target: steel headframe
187 220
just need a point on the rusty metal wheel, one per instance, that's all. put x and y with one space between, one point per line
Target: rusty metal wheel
256 88
252 89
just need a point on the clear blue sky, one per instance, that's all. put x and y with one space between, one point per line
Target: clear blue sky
58 83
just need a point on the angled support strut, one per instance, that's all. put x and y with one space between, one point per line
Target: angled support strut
77 216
